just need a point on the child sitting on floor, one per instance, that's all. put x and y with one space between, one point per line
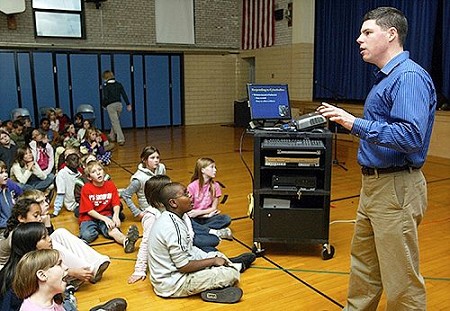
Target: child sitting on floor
205 193
92 143
179 269
65 184
100 208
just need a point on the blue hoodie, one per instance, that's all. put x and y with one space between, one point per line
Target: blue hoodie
9 193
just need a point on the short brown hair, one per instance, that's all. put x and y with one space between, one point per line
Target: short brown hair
108 74
153 187
25 281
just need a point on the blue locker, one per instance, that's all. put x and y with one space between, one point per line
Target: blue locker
157 90
106 63
85 82
139 104
26 88
176 90
8 87
122 72
62 77
44 81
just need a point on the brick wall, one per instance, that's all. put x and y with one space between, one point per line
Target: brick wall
213 80
209 88
292 64
131 25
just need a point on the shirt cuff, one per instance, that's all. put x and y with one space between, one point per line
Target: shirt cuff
360 127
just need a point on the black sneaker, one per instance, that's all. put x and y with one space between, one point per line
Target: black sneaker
222 295
130 240
246 259
99 274
116 304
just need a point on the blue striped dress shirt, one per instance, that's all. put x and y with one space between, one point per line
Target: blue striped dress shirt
398 116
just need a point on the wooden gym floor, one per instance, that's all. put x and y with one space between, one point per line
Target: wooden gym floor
291 278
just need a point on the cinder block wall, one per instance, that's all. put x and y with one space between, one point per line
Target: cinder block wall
215 72
130 24
292 64
209 88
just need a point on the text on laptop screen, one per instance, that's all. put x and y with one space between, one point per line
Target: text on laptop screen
269 101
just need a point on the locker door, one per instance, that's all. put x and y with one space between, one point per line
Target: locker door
26 88
9 98
139 92
176 89
122 72
157 91
44 80
85 82
62 77
106 64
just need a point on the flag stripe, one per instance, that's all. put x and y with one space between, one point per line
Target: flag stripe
258 27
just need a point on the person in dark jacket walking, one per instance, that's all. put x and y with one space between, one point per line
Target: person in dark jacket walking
113 91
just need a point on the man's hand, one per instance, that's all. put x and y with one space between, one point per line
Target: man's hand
337 115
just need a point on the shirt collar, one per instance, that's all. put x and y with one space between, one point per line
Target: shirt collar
387 69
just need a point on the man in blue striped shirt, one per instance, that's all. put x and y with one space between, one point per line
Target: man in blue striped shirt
394 138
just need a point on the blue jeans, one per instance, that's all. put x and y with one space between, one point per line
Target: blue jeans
216 222
203 239
90 229
36 183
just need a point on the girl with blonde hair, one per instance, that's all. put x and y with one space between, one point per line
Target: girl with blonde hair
205 193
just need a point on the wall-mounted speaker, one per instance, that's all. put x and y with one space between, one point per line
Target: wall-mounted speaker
279 14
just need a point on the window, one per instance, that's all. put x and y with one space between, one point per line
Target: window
59 18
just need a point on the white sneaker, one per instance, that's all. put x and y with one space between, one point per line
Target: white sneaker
225 234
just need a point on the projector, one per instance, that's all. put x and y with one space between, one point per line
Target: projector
310 121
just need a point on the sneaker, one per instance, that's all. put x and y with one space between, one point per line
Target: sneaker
222 295
225 234
130 240
116 304
99 274
121 143
245 259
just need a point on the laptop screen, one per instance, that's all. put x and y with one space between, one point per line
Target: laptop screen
269 102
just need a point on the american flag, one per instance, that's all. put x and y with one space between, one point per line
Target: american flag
258 24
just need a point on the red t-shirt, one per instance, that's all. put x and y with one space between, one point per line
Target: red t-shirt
101 199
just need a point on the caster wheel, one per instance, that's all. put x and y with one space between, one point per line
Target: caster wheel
327 252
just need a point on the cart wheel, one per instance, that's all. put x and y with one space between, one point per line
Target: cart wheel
327 251
257 250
